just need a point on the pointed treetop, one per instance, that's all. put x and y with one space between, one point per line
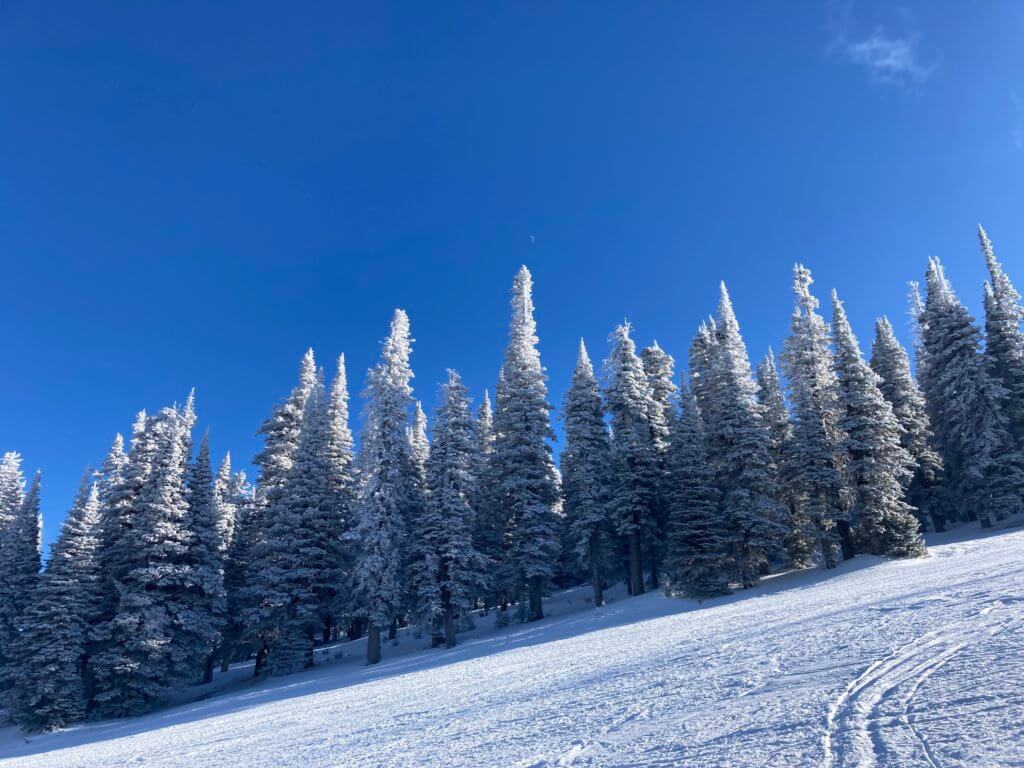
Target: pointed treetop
139 425
726 314
225 464
582 358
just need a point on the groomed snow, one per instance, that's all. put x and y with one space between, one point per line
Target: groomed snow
889 663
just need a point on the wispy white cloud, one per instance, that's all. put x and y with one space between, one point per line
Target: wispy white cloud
887 58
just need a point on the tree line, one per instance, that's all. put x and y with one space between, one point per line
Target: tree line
697 484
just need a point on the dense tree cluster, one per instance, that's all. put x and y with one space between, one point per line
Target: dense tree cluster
699 485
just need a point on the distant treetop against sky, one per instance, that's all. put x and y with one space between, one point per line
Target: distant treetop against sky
192 195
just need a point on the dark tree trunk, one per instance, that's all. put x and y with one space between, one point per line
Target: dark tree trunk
355 629
393 629
655 578
636 571
536 595
938 522
208 669
449 627
595 571
373 644
226 653
328 629
846 539
261 660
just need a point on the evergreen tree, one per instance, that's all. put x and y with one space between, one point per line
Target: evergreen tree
19 573
297 571
738 443
700 546
586 474
879 467
965 405
489 536
816 464
388 493
456 568
236 561
659 367
204 604
156 641
630 403
1004 342
224 503
50 688
343 485
890 361
798 548
524 475
12 488
281 434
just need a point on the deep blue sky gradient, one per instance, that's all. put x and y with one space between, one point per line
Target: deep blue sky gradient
193 193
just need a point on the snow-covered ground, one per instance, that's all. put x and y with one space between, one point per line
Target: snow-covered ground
898 663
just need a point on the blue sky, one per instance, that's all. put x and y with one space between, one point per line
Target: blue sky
192 194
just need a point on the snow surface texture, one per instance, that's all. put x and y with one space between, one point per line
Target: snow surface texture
878 663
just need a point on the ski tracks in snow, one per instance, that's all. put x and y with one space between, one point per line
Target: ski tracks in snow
871 722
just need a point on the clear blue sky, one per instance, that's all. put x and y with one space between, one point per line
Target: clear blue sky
192 194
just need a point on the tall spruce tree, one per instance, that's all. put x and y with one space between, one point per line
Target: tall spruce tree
523 473
343 485
388 494
890 361
965 405
50 688
204 604
816 462
587 474
1004 342
799 549
224 503
660 369
630 403
700 547
456 568
19 574
738 443
12 488
879 468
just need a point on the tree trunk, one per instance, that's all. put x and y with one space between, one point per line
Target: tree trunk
328 629
655 579
536 594
261 660
845 540
937 522
225 658
636 571
595 571
208 669
393 629
373 644
449 627
355 629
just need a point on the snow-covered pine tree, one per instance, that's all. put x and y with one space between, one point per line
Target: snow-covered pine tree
12 488
155 641
523 472
799 548
964 402
629 402
446 526
700 547
660 369
204 604
587 474
878 468
280 441
19 575
388 493
236 561
297 565
343 484
489 536
890 361
1004 342
224 503
815 463
50 689
702 352
738 448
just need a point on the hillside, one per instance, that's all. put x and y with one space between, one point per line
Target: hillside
909 663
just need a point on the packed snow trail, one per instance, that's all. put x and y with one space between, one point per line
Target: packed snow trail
878 663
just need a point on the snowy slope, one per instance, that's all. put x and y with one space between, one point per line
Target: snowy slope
913 663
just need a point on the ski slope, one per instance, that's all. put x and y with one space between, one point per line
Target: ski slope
878 663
